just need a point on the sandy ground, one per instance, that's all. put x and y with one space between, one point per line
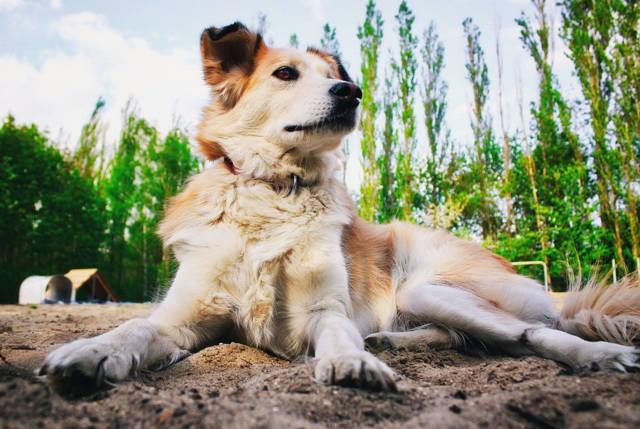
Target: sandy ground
232 385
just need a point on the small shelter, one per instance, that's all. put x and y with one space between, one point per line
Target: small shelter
45 289
82 285
88 285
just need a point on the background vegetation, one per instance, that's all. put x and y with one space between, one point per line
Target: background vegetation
562 188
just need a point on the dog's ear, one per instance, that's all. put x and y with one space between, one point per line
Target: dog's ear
228 59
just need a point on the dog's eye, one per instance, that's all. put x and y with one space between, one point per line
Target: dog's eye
286 73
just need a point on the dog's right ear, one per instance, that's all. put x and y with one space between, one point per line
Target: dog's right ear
228 58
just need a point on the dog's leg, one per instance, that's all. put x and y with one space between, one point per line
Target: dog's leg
341 358
464 311
431 336
164 338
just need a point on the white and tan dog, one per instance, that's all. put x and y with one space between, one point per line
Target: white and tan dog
272 253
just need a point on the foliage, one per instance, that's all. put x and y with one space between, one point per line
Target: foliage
370 36
51 216
563 187
329 41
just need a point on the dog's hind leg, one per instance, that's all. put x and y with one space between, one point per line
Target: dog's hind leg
431 336
463 311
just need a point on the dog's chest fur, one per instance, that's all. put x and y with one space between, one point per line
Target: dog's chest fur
251 234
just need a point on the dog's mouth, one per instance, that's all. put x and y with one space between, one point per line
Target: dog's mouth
336 122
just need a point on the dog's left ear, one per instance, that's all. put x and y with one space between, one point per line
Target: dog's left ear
228 59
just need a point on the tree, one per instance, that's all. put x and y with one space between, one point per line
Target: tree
121 193
145 172
370 36
549 172
90 153
167 166
509 225
485 159
405 70
329 41
293 41
440 204
589 31
387 203
51 217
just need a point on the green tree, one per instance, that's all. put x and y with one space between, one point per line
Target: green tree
405 69
370 36
329 41
588 27
51 217
88 157
145 172
439 200
485 159
387 203
293 41
552 185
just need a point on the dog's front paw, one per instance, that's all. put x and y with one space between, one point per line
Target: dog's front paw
89 363
360 369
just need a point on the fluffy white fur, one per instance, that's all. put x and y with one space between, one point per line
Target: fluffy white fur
292 270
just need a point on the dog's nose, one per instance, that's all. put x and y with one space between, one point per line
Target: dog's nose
346 91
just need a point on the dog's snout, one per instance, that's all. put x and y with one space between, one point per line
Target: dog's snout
346 91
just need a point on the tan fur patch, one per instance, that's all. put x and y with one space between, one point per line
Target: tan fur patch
369 256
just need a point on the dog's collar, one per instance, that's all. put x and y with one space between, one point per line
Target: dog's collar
291 184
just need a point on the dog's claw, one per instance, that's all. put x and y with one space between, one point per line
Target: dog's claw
377 343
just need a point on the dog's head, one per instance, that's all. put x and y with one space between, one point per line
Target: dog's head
272 101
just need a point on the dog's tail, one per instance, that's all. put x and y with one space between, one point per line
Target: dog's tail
600 312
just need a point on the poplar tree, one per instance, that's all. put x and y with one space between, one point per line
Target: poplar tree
589 31
293 41
485 158
405 69
88 157
625 69
370 36
329 41
387 204
555 167
439 205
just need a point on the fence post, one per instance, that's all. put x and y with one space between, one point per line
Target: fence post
544 268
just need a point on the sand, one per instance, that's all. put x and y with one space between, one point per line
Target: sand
231 385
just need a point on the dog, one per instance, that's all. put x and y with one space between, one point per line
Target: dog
272 254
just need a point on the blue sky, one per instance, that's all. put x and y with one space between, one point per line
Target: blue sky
58 56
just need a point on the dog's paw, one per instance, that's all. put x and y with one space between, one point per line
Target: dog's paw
360 369
612 357
378 342
89 363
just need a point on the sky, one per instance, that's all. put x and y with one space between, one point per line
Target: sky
57 57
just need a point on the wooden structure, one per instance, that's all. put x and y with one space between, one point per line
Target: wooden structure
88 285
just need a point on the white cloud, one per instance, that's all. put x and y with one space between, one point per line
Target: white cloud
60 91
318 9
56 4
8 5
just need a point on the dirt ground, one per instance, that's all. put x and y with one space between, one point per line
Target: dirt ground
232 385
